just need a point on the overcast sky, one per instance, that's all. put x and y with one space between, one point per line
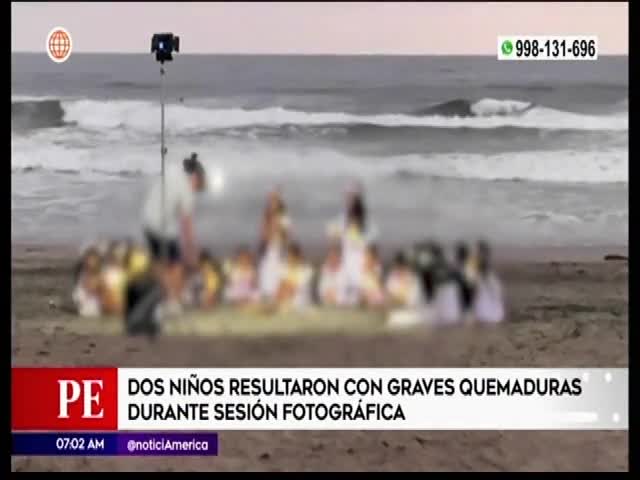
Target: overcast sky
335 28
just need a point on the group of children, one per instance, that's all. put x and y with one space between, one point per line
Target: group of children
102 274
452 291
278 276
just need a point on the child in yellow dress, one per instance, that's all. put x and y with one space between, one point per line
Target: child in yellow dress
114 280
138 263
294 290
210 280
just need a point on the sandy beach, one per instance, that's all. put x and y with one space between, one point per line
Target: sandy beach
562 313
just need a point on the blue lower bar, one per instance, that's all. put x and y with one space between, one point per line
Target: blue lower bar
115 443
64 444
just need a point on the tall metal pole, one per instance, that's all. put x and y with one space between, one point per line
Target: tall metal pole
163 152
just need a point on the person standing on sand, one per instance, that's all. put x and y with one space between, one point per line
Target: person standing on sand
274 237
169 231
355 232
488 302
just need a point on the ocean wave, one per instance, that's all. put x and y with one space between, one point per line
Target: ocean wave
550 216
250 161
426 139
143 117
31 114
550 167
71 171
487 107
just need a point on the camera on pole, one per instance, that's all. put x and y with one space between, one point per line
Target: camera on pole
163 45
142 314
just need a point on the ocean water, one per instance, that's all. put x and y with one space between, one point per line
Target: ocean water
520 153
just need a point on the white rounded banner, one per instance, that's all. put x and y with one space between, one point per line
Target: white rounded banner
372 399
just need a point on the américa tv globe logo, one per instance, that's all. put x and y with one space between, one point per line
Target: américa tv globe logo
59 44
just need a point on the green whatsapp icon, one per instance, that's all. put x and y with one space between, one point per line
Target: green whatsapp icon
507 47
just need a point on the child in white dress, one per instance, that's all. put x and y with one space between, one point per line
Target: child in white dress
87 290
331 285
402 286
488 305
355 233
241 285
273 242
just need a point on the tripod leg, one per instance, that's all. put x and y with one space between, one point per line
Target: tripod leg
141 318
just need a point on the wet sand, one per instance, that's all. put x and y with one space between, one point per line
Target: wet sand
564 311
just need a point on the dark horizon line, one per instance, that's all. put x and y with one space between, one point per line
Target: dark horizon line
249 54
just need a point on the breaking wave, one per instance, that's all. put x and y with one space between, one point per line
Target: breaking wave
143 117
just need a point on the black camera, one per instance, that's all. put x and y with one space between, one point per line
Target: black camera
163 45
